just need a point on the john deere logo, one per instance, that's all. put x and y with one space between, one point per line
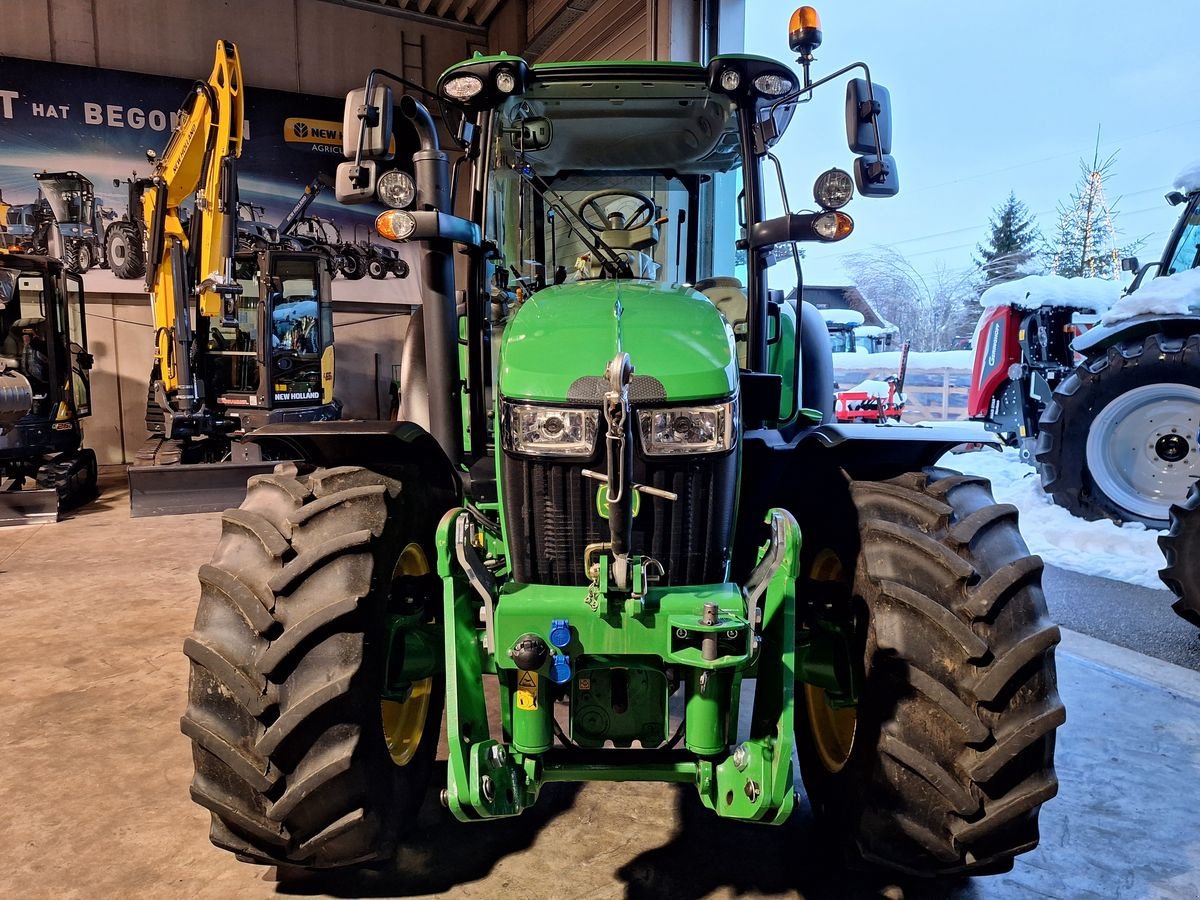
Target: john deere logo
300 129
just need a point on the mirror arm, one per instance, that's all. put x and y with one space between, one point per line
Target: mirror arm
368 115
809 86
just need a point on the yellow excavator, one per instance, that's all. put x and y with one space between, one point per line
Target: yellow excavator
242 339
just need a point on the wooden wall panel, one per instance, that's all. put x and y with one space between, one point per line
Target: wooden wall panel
611 29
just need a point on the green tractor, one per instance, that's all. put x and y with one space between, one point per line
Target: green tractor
672 563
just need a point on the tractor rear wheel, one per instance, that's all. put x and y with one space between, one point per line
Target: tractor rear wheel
942 766
124 250
296 757
1181 549
1119 437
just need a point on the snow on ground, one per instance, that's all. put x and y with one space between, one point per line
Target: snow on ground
1034 291
1126 553
1189 179
1170 295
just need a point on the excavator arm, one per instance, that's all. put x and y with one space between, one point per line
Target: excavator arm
311 190
196 261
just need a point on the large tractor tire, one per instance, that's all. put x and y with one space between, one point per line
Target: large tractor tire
944 763
378 267
1181 550
77 257
352 264
1118 439
124 250
296 757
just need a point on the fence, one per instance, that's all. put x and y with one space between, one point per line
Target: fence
935 386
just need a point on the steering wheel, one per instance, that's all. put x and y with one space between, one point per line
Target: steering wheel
642 215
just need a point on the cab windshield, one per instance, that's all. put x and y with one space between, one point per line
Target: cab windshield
1187 252
603 179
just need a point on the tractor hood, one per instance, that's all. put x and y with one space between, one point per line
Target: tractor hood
556 347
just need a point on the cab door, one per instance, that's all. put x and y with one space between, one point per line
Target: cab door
300 325
80 361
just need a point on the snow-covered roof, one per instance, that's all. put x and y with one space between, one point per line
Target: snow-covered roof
889 361
871 330
842 316
1034 291
1189 179
1171 295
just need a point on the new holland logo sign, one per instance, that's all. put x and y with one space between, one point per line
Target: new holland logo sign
320 135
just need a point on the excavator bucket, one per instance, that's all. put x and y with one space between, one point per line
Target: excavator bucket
190 488
32 507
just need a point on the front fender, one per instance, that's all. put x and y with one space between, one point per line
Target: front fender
875 452
1138 328
375 445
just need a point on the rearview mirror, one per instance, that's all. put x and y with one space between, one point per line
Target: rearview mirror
876 176
376 123
532 133
355 183
859 111
1129 264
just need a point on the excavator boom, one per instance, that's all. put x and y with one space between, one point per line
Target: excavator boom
199 160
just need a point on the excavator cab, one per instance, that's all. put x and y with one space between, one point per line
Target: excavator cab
45 390
278 354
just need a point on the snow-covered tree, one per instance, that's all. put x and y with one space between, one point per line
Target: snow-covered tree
1013 246
1086 244
933 311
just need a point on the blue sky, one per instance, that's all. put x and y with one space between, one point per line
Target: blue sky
993 97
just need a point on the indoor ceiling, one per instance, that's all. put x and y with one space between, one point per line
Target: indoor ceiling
464 12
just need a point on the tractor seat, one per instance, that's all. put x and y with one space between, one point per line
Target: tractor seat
729 298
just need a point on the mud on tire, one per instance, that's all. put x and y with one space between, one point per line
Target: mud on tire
952 752
286 671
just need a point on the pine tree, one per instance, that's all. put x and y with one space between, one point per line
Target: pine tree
1013 243
1086 246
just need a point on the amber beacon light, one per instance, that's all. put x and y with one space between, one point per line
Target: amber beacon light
804 32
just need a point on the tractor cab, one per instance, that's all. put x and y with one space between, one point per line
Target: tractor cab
71 199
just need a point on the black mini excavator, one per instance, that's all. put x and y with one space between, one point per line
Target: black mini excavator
44 390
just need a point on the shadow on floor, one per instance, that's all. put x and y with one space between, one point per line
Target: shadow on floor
443 854
708 855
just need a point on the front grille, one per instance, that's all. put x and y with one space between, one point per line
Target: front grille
551 516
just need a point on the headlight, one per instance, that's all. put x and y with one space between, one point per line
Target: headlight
833 189
772 85
730 79
506 82
395 189
548 430
464 87
688 429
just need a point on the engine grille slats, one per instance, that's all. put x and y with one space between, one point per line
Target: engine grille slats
551 516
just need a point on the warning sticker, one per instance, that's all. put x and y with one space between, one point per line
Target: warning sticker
527 684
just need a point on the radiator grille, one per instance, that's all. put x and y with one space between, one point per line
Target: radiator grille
552 516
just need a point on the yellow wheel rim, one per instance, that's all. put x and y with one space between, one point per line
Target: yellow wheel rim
404 723
832 729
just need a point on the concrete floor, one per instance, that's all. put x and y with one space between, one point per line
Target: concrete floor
94 771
